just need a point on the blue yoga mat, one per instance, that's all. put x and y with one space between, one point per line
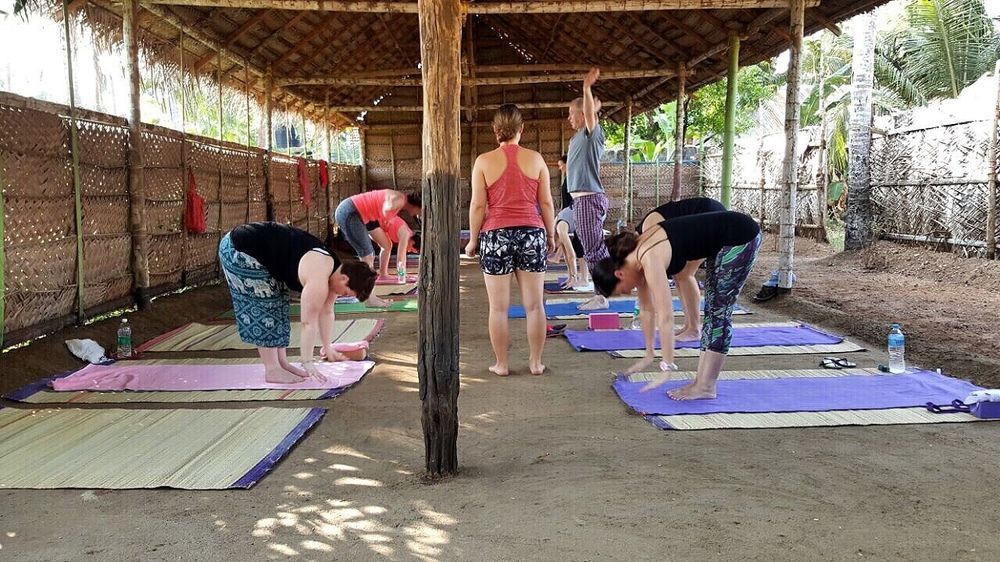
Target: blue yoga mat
624 306
801 394
743 336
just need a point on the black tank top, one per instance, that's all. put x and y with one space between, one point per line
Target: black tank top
696 237
683 208
279 248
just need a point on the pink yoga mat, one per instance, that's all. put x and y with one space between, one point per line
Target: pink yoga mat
393 280
127 375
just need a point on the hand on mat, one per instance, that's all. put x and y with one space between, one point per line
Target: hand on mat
568 284
660 380
313 372
472 248
641 365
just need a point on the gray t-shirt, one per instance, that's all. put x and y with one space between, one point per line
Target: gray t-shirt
583 160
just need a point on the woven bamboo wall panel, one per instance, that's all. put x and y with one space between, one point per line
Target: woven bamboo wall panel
202 250
165 259
164 217
161 150
41 267
103 145
102 181
38 221
165 184
29 308
106 258
36 175
105 215
208 183
234 187
33 132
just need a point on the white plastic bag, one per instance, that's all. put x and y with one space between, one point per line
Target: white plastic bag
88 350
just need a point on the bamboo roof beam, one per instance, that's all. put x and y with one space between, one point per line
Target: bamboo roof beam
829 25
638 24
511 7
686 29
232 38
486 107
306 40
474 81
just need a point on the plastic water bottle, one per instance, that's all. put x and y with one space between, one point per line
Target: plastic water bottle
124 339
897 348
400 273
636 324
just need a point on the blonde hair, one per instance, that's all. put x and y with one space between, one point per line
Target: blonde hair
507 122
577 104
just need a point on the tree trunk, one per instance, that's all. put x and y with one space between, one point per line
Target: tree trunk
269 143
437 340
822 173
137 169
991 210
860 217
627 168
729 136
675 192
789 175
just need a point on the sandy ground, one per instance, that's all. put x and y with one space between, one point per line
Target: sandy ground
554 467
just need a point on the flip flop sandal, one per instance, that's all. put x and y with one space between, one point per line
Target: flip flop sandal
844 363
556 330
829 363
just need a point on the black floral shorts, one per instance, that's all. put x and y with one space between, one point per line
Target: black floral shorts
503 250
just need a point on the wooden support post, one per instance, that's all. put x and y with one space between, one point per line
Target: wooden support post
789 174
656 182
729 132
675 192
392 158
991 210
437 339
363 149
3 258
137 168
249 144
74 148
269 120
218 79
184 166
627 168
329 159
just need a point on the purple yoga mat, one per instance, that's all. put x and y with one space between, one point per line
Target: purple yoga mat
612 340
801 394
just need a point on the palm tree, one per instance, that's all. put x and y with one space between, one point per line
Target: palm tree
859 207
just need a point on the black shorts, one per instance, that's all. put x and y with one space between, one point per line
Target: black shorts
503 250
577 246
370 226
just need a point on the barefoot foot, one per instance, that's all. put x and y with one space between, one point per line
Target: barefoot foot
598 302
692 392
281 376
536 368
500 371
688 335
376 302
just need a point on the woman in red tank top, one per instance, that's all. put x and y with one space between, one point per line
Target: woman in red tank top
511 227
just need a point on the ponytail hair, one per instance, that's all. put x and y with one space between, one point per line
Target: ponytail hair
621 245
604 277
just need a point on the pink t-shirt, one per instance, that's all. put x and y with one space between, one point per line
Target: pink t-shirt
392 226
369 205
512 200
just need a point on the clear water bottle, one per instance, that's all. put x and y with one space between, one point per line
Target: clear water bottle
636 324
400 273
897 348
124 340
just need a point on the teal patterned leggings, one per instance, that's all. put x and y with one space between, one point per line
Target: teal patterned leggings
726 274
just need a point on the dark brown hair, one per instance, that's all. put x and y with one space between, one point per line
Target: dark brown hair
415 198
619 246
507 122
360 278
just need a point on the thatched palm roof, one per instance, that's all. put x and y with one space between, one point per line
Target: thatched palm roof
359 60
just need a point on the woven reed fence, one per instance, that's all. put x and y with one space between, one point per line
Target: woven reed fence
757 187
39 242
651 182
929 184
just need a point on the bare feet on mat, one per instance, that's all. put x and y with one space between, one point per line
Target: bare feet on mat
375 302
281 376
598 302
297 371
692 392
536 368
687 334
500 371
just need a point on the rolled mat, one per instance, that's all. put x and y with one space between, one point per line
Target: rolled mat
800 394
216 337
751 335
189 449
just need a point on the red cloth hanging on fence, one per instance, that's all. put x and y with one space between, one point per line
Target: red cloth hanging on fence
304 186
195 219
324 174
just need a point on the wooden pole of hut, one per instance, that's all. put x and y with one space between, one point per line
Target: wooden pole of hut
627 171
246 81
269 145
729 131
184 166
363 149
137 169
991 210
789 175
675 192
74 148
437 339
329 158
392 156
3 258
218 225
